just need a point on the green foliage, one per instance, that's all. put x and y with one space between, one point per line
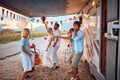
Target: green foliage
64 32
38 34
10 35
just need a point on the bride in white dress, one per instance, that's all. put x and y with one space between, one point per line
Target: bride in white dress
47 57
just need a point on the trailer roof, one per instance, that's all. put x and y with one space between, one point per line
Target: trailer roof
49 8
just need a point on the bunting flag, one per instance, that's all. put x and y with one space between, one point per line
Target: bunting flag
32 19
38 21
61 22
74 17
43 18
51 23
46 22
70 19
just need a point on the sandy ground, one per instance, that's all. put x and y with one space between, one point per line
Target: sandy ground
11 68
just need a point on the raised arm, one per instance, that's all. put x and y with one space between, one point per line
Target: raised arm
46 27
43 19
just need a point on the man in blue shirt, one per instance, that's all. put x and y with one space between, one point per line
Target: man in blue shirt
77 46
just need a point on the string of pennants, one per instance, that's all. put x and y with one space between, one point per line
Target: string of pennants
13 15
61 21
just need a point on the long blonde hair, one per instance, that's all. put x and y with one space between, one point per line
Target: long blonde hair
50 31
25 32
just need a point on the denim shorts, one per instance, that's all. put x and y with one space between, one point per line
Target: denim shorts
76 59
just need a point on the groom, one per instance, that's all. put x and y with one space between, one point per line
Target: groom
56 44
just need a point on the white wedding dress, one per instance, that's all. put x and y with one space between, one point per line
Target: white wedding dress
47 56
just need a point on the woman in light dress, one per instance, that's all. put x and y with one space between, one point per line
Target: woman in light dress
47 57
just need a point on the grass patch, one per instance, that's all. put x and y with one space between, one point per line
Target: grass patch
10 35
64 32
38 34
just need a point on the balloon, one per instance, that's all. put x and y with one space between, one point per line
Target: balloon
43 19
70 19
51 23
74 17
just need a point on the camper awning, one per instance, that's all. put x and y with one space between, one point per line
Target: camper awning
38 8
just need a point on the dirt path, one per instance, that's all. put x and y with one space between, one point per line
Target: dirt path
11 67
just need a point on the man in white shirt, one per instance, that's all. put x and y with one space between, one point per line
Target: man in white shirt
56 44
